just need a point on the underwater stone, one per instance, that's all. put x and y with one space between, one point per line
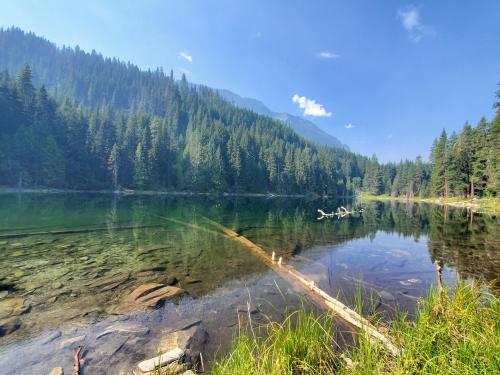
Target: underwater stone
51 337
57 371
171 280
71 341
9 325
124 328
148 296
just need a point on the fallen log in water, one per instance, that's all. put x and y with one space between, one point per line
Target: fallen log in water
338 307
74 231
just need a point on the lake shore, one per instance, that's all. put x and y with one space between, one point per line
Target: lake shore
11 190
480 205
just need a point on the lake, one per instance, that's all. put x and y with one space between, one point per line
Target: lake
67 261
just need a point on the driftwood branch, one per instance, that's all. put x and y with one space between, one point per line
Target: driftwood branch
341 212
76 360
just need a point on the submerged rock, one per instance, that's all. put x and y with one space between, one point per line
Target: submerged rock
108 283
57 371
148 296
247 309
192 280
71 341
386 295
124 328
171 280
111 345
51 337
192 337
9 325
13 307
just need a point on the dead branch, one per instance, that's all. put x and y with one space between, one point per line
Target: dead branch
341 212
76 360
439 269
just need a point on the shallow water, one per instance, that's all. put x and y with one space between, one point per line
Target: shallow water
67 260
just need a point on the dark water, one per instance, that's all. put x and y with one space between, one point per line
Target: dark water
66 262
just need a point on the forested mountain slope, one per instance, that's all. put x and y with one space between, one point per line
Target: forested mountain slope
201 143
123 127
301 126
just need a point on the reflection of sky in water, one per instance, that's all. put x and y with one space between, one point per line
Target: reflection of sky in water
67 260
397 269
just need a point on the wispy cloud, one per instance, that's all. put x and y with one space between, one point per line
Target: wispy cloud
328 55
349 126
389 136
185 56
310 106
410 19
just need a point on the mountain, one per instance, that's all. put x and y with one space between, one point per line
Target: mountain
301 126
73 119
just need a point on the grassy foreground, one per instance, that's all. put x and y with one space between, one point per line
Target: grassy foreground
454 333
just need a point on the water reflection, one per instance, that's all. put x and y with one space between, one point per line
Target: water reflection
71 258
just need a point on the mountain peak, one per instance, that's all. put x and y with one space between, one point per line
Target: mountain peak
305 128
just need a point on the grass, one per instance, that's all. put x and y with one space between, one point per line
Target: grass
301 344
453 333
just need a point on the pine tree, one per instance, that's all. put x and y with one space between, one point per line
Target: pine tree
140 168
114 165
439 182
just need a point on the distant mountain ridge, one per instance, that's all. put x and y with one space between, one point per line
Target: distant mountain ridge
301 126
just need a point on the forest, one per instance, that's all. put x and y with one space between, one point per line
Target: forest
77 120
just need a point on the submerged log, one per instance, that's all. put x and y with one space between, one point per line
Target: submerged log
75 231
288 271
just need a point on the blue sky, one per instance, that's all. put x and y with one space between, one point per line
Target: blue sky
383 76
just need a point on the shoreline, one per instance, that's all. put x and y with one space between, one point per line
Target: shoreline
125 192
480 205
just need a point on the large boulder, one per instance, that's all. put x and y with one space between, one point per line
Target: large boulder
148 296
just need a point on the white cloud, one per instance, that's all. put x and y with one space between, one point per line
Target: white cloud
328 55
186 56
349 126
310 106
410 19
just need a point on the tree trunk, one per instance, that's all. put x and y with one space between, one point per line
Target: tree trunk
446 188
472 188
